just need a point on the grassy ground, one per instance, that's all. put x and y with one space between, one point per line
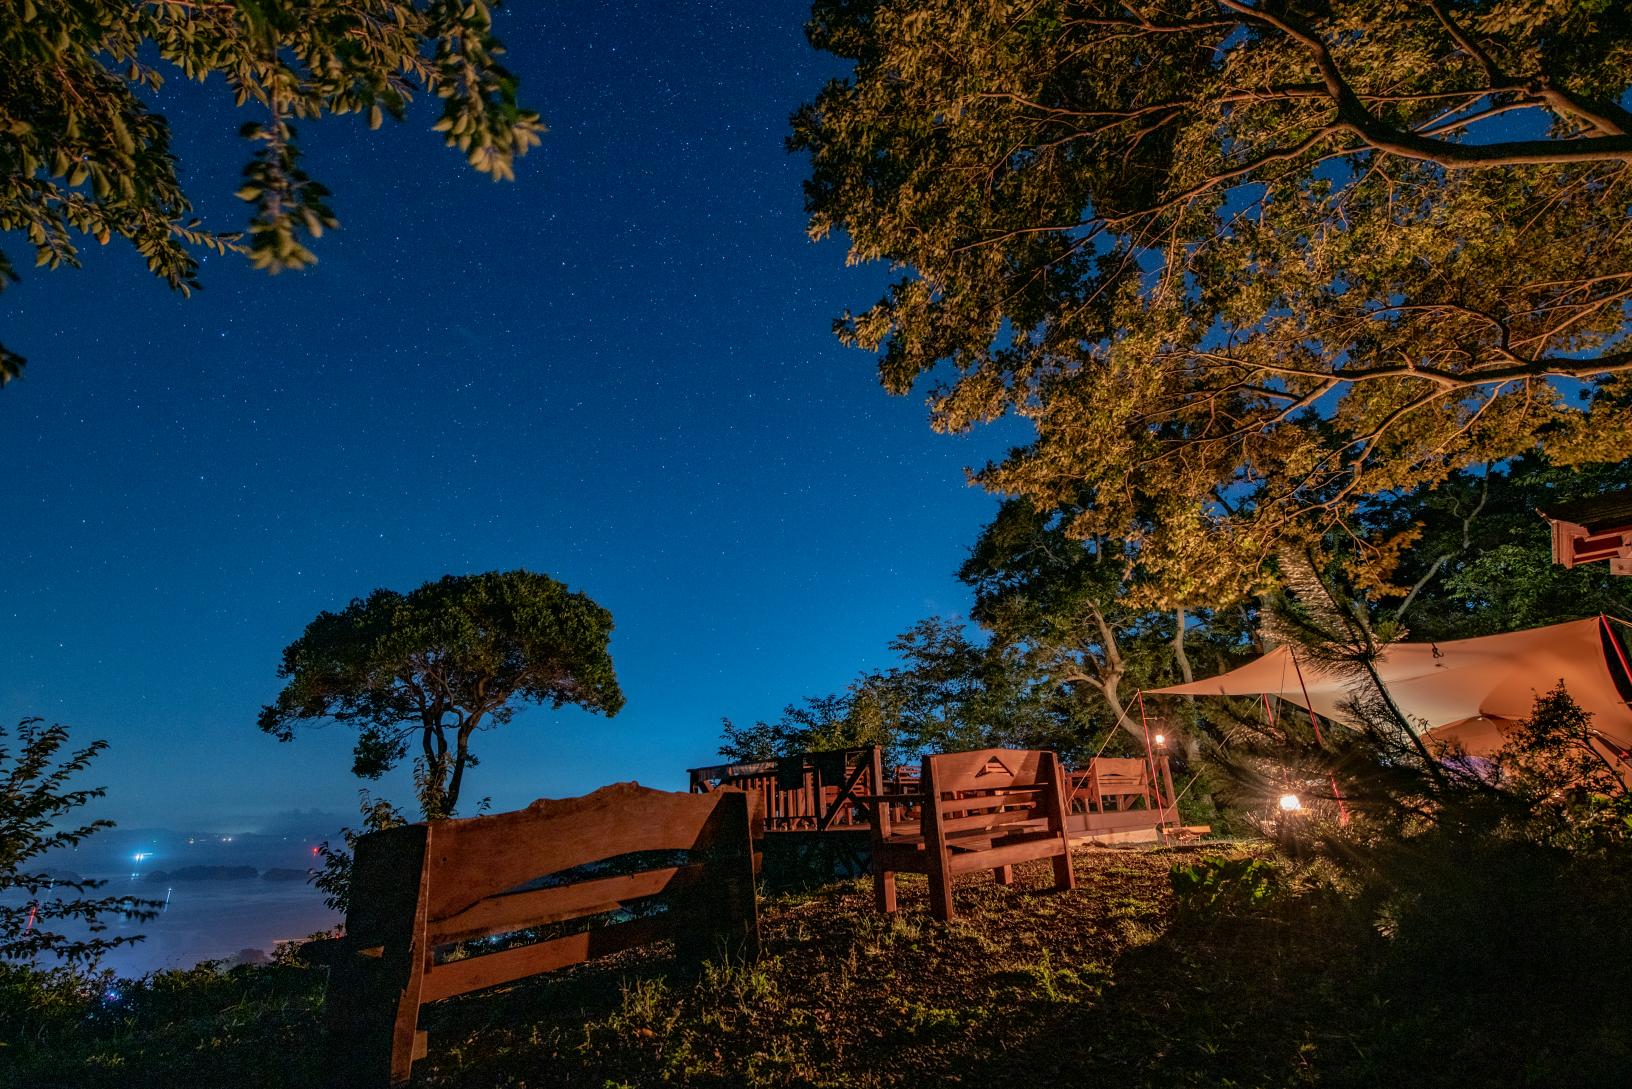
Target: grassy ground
1107 985
1026 987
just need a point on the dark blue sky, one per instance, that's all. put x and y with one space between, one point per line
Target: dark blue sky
618 370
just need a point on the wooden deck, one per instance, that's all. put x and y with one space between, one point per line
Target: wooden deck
806 792
1138 826
809 796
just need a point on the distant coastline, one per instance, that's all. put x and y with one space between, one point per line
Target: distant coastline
223 873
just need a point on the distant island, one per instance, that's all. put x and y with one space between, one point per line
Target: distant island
203 873
224 873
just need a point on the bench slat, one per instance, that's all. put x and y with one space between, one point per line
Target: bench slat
540 907
1039 846
483 856
463 976
997 819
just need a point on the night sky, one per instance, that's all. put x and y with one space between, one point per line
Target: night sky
618 370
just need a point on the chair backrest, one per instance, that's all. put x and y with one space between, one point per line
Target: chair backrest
1120 772
988 788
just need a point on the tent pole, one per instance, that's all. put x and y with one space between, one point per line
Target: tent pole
1309 705
1150 762
1615 642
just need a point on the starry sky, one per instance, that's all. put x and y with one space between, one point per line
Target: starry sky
618 370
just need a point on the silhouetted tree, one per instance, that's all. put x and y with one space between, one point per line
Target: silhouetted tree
441 662
37 811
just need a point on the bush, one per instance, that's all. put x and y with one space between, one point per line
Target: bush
69 1028
1219 884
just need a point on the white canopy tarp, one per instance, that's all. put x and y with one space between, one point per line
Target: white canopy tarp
1464 690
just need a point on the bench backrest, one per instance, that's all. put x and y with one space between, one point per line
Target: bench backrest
654 864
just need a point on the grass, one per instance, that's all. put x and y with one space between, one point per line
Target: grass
1109 984
1024 988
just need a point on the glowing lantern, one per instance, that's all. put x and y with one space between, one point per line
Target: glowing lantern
1160 740
1290 803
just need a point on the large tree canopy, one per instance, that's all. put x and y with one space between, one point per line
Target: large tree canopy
441 662
82 152
1241 265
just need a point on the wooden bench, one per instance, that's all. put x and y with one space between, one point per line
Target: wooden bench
1110 784
986 809
647 864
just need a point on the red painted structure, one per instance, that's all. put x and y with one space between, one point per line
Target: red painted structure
1595 529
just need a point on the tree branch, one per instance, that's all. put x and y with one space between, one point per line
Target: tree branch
1355 117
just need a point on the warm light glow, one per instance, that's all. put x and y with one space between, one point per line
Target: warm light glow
1290 803
1160 740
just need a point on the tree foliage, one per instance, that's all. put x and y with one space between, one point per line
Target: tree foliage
1480 557
1070 610
37 813
439 663
83 153
949 691
1242 266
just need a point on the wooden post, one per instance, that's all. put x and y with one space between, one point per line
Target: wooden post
372 1008
883 880
1167 781
739 928
718 916
935 848
1065 877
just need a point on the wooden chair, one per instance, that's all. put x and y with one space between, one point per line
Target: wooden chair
1109 779
986 809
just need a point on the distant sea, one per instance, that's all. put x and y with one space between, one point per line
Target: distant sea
237 918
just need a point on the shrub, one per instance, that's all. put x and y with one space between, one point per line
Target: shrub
1218 884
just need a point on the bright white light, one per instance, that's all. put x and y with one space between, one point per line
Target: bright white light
1160 740
141 855
1290 803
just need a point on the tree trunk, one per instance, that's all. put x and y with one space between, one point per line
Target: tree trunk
1178 648
460 759
1111 689
1191 740
1111 673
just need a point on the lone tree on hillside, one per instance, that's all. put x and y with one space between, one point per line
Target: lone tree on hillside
1242 264
82 152
439 663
